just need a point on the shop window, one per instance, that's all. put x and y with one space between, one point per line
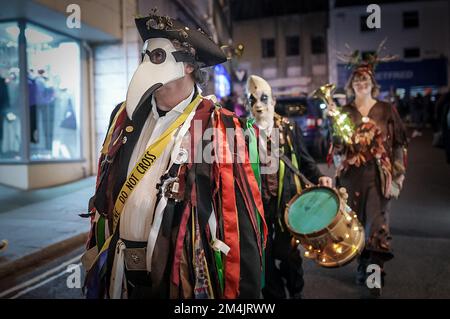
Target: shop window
10 113
53 94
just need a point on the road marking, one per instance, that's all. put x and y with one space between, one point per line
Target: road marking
27 290
41 277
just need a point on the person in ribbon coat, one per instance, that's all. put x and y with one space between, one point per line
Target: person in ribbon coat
278 135
170 219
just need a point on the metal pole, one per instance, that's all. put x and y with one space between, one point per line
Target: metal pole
24 109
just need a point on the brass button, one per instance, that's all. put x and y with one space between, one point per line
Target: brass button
129 129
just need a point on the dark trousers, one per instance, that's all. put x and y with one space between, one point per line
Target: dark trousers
369 257
283 266
139 283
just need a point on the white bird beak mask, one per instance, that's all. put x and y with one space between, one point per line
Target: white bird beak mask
158 67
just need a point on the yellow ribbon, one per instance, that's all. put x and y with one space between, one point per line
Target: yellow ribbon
145 163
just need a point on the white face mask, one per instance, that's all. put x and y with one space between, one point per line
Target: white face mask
260 101
158 67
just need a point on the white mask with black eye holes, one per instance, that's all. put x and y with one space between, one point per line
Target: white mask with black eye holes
158 67
260 101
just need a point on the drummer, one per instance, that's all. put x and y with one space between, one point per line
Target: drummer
279 184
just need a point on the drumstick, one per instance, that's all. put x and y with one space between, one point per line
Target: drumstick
288 162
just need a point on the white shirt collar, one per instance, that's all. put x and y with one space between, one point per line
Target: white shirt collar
179 108
268 129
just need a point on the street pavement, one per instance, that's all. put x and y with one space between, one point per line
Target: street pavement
420 226
42 222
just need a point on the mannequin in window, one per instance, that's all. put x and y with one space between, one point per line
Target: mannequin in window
44 101
4 104
34 136
10 143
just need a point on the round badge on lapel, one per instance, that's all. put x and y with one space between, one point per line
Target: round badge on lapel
182 156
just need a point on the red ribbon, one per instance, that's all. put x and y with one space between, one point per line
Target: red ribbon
202 114
229 213
254 189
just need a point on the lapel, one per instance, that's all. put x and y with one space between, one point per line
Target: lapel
130 138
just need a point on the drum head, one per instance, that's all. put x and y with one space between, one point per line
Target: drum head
313 210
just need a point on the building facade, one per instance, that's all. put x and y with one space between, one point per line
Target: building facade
64 65
417 33
289 51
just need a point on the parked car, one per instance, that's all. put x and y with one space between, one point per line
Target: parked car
309 115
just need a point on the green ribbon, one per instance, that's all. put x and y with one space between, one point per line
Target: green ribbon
219 267
100 232
253 151
254 161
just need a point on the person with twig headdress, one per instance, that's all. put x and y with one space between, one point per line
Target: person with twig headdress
373 162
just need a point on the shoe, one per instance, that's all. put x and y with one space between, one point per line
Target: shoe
361 275
3 245
376 292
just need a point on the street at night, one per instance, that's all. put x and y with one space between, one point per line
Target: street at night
224 157
421 240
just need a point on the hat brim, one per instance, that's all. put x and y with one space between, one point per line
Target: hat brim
207 53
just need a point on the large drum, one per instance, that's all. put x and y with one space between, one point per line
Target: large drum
325 225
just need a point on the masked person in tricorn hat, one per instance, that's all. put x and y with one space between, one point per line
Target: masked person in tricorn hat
279 136
170 218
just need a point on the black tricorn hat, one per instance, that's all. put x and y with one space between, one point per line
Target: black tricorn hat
207 53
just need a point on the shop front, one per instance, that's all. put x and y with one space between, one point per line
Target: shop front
40 113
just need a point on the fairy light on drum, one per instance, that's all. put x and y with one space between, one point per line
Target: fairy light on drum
334 238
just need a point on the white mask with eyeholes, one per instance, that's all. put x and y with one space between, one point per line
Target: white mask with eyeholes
260 101
158 66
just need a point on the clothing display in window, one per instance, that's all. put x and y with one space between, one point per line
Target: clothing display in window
10 143
65 141
45 108
9 122
4 103
33 115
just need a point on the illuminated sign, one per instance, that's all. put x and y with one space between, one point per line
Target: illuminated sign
222 81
